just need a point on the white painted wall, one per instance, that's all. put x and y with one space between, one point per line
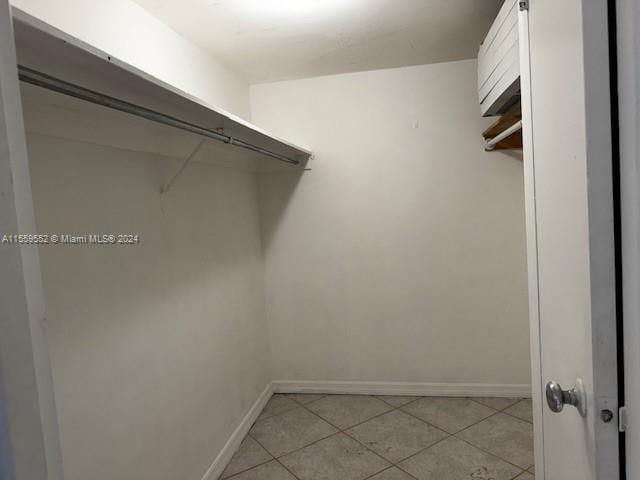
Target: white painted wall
401 255
128 32
158 350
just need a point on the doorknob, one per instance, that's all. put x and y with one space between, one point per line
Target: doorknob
557 398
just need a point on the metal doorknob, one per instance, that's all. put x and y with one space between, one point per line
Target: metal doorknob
557 398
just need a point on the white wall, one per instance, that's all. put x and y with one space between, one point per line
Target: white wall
401 256
158 350
128 32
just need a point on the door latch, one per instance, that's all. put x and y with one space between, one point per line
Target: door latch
622 419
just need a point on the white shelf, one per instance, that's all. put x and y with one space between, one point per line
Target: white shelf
48 50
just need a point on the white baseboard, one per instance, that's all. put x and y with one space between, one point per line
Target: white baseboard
404 388
224 457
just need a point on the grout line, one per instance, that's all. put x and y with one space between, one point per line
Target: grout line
285 467
391 464
430 424
493 455
476 423
517 418
275 459
483 450
413 399
322 395
279 413
518 400
247 469
378 473
255 466
308 445
344 431
392 409
422 450
519 475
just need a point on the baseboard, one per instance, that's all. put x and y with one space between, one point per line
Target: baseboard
224 457
404 388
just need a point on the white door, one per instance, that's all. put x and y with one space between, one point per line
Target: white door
570 233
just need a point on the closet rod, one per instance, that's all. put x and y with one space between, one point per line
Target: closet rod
43 80
490 144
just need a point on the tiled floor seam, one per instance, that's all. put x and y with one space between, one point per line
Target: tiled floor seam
389 468
273 458
368 449
344 432
421 451
473 399
494 455
392 408
285 467
441 429
448 435
455 435
303 404
517 418
247 469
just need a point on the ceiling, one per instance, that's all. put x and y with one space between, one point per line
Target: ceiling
270 40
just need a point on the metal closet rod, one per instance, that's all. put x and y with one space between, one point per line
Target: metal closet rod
490 144
43 80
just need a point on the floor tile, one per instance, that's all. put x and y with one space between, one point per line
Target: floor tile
277 404
506 437
525 476
448 414
497 403
345 411
396 435
522 410
269 471
335 458
289 431
453 459
396 400
304 398
248 456
392 473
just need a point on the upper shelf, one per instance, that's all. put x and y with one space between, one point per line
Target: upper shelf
51 51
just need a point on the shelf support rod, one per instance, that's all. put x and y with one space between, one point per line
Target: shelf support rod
187 161
490 144
43 80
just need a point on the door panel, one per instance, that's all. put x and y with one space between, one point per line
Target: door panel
570 220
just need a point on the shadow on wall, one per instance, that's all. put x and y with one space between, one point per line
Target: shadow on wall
274 196
145 338
515 154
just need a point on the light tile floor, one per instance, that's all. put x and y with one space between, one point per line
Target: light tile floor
362 437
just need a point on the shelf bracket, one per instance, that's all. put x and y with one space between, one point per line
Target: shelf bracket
166 188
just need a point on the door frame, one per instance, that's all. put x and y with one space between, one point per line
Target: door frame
600 158
29 439
628 90
531 241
